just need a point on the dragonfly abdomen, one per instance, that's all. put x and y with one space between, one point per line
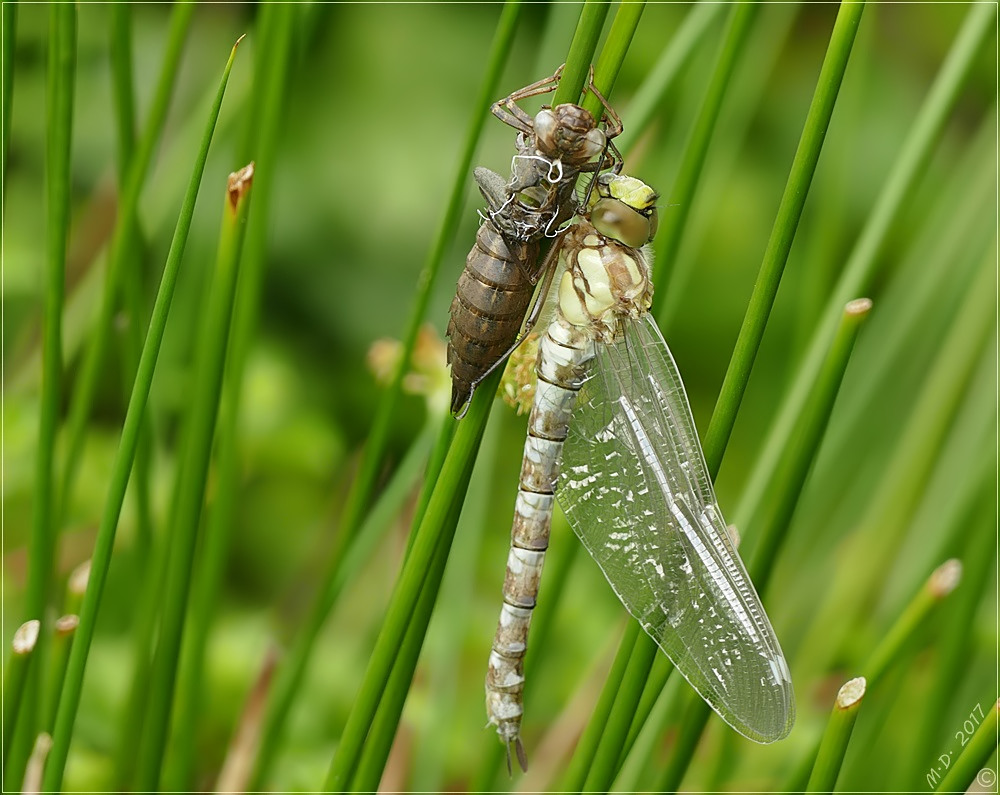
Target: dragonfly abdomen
489 306
562 361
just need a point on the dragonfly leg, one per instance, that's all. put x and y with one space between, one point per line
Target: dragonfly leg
509 112
612 120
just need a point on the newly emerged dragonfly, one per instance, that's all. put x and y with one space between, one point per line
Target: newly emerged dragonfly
504 265
611 433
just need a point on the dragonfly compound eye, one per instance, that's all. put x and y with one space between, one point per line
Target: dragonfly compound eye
545 127
567 131
594 144
615 219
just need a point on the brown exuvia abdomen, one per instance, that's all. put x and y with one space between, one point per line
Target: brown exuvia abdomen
489 306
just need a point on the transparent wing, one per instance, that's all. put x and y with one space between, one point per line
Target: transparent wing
636 490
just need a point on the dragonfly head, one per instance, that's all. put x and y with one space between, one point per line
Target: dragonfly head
570 133
624 208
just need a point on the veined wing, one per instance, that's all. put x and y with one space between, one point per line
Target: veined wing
636 490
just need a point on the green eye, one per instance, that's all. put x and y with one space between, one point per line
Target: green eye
617 220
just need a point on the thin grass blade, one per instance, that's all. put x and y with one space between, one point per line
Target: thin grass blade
661 77
63 632
969 767
290 674
864 260
9 38
581 51
794 470
682 194
954 646
880 529
124 107
15 678
126 221
892 648
785 224
837 736
797 459
613 53
375 754
583 755
606 762
271 68
193 476
61 78
59 102
437 527
104 544
763 297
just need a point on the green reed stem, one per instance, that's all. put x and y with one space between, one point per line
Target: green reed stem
144 626
862 265
59 103
64 630
579 766
682 194
907 472
375 753
675 56
289 676
193 475
126 222
797 459
792 473
437 527
124 106
120 15
974 756
953 646
104 544
360 495
581 52
606 761
15 679
836 737
383 730
76 587
659 674
61 77
786 223
623 28
271 68
962 221
891 649
9 36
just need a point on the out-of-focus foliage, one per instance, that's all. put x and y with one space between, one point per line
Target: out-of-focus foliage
378 99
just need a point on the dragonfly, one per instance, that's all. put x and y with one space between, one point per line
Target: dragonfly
611 436
504 266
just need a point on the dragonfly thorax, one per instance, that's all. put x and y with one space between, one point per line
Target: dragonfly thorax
568 132
604 282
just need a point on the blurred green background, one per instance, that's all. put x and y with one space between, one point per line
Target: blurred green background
377 104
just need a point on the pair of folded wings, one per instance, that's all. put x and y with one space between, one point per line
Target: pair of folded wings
635 488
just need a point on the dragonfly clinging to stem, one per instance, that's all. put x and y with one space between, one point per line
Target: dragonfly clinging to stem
611 434
505 264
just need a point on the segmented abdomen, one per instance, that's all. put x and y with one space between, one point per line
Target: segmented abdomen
489 306
563 355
